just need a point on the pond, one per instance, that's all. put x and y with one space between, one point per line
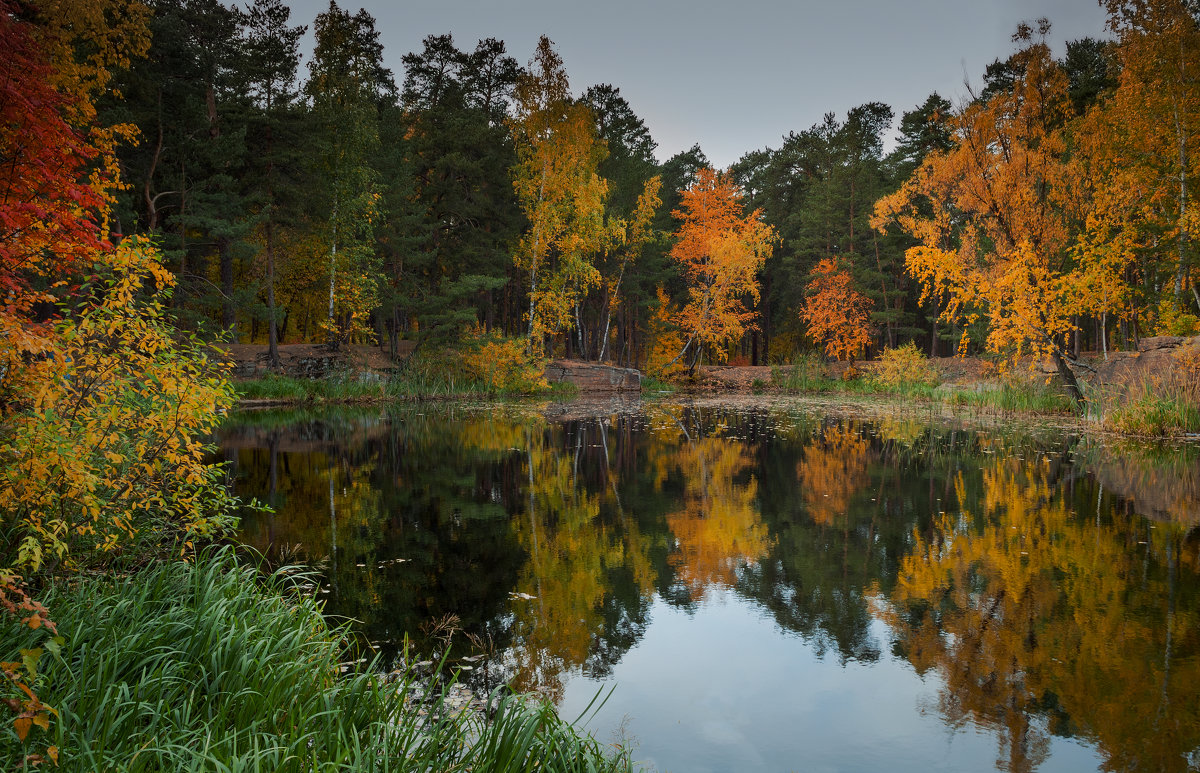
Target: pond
765 587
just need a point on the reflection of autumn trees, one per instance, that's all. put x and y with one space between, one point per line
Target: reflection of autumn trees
1161 483
583 549
594 564
1043 621
362 491
1038 597
829 538
717 527
832 471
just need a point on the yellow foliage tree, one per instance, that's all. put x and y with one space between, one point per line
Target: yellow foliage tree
88 41
635 234
1142 143
663 340
560 191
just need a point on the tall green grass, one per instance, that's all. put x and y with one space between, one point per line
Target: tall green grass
805 374
1155 414
210 667
1014 397
1161 405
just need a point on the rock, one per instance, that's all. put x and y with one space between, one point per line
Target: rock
1159 342
593 377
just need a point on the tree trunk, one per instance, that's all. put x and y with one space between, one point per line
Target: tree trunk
331 337
1181 139
228 312
272 323
1068 376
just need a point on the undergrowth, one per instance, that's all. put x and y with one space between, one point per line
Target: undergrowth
654 387
416 381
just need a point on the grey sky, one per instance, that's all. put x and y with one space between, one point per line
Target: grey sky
736 76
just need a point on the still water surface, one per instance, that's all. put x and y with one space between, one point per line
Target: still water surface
768 588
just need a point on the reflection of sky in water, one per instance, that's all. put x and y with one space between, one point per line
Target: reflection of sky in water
726 689
770 591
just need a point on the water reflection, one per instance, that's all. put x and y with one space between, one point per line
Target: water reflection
1016 574
1030 613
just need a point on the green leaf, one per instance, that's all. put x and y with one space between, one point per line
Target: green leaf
30 658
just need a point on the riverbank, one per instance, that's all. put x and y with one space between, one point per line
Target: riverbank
212 665
1153 392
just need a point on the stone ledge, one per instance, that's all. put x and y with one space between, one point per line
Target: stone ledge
594 377
1159 342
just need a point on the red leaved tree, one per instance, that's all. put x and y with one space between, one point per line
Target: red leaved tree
49 213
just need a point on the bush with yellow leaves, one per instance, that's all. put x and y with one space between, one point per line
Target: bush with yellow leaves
502 364
1171 320
904 365
102 450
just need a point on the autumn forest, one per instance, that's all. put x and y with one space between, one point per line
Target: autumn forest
471 199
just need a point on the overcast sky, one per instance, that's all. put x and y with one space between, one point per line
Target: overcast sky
737 75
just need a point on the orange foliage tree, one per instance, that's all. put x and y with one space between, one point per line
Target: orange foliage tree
836 312
996 215
719 251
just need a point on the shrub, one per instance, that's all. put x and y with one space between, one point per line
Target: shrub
1174 321
784 346
104 453
904 365
502 364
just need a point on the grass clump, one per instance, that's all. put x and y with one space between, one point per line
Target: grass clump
207 666
1015 396
805 374
1164 406
1156 415
656 387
